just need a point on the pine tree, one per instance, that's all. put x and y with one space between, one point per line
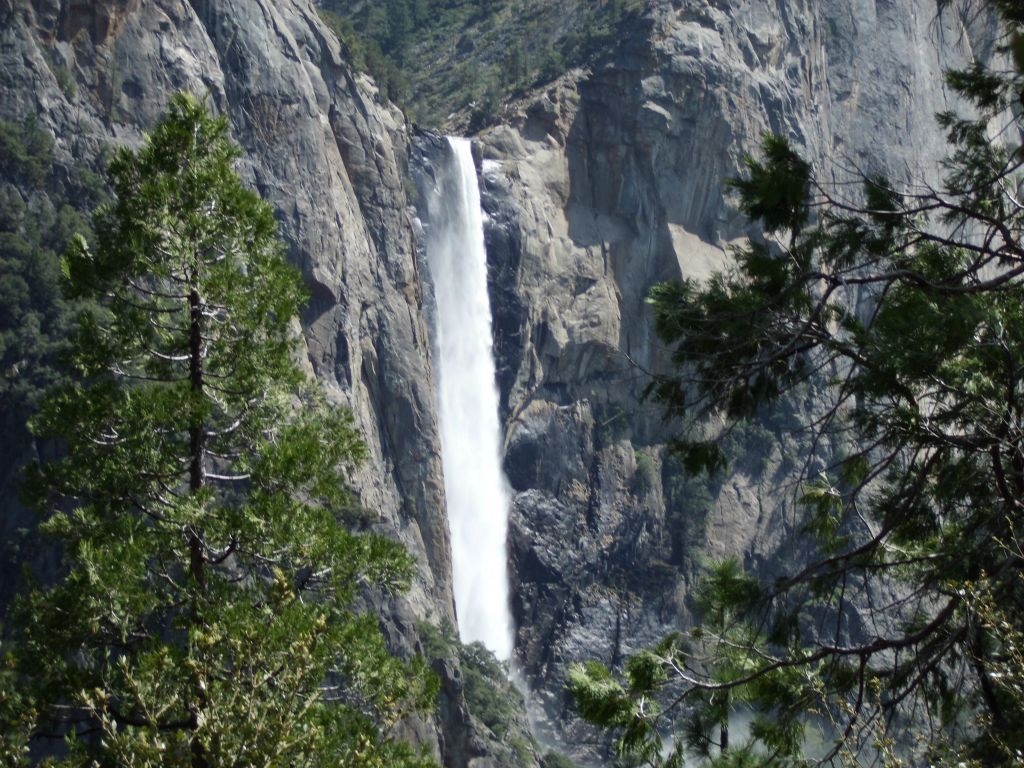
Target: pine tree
204 615
903 311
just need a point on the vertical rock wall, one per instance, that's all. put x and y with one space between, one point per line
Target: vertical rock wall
611 180
330 156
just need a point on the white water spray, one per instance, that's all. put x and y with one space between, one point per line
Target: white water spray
476 488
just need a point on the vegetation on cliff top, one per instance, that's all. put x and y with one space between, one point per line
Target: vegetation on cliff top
436 58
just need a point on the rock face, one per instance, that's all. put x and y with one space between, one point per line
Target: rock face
611 180
330 156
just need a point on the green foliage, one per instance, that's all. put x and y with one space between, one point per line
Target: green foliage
646 478
65 79
35 225
775 191
205 614
439 57
522 751
490 697
726 590
488 694
26 153
747 445
439 642
556 760
611 424
629 706
689 501
920 501
364 52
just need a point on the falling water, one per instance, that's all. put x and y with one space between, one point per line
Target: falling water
476 488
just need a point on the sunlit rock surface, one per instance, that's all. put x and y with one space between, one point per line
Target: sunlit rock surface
608 181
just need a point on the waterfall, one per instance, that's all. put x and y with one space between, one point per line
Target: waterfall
475 485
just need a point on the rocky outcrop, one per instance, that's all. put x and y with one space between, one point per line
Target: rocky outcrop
611 180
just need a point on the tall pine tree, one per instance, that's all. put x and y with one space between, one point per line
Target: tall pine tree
204 616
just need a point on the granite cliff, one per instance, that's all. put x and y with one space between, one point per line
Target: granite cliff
611 180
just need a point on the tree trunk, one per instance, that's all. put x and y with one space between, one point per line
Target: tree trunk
197 480
723 733
197 431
